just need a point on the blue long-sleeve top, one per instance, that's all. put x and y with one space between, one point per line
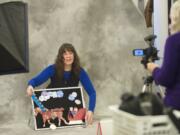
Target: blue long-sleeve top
49 72
169 73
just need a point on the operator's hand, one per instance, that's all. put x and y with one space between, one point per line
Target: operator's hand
89 117
151 66
29 90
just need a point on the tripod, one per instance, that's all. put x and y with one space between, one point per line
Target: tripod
147 84
147 87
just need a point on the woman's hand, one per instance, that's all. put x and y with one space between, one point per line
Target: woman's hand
89 117
29 90
151 66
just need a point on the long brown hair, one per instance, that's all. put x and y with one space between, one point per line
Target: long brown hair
59 62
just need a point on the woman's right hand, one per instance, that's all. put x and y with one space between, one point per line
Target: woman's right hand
151 66
29 90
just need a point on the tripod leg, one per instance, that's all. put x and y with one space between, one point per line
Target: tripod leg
161 92
144 89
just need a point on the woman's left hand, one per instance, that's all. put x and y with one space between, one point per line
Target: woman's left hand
151 66
89 117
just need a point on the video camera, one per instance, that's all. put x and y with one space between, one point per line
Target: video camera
148 54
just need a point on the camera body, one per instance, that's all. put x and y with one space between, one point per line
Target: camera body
148 54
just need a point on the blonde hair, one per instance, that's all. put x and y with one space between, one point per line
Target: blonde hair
175 17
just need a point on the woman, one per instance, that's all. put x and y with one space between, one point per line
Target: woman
168 74
66 72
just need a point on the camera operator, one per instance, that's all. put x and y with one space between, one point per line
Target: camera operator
168 74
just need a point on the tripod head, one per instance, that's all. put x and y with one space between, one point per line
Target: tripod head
148 80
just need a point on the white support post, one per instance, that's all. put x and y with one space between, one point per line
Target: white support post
160 25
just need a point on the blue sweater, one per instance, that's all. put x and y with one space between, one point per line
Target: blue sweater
48 72
169 73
